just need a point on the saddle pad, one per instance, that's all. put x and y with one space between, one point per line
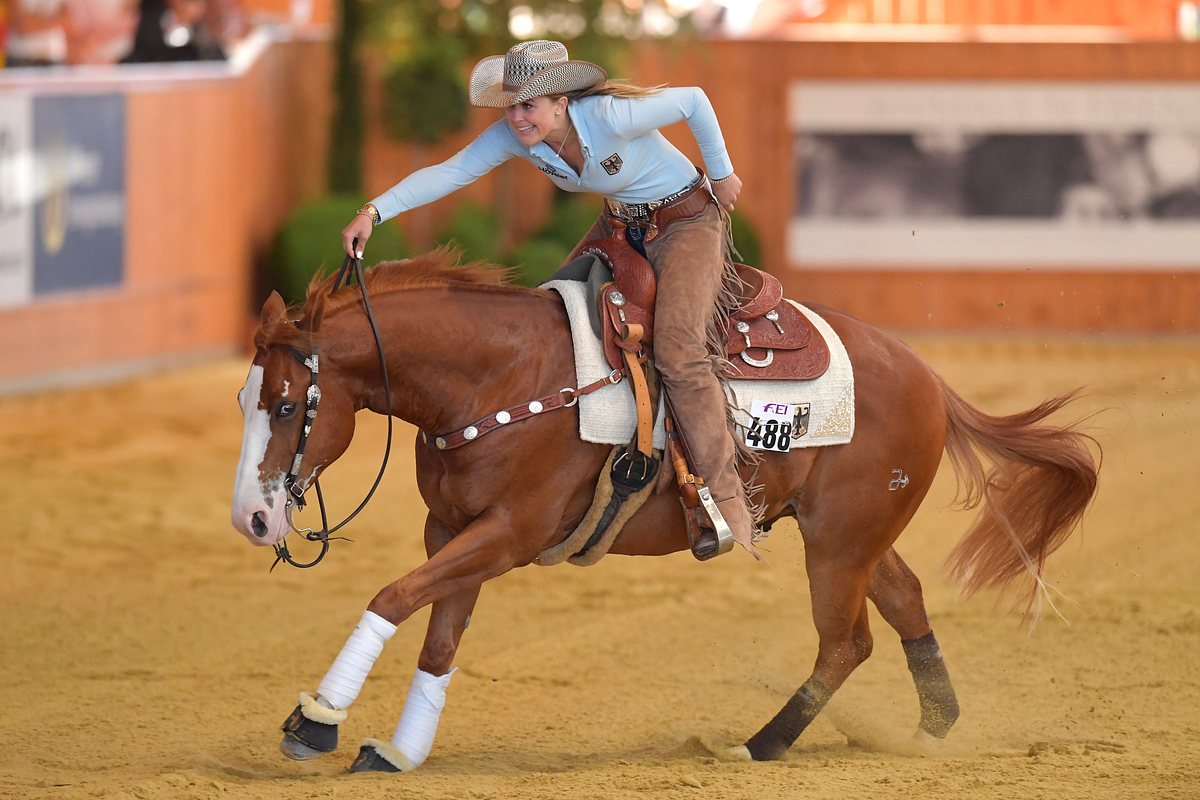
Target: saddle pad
608 416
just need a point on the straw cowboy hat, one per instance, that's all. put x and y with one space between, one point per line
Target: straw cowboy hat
528 70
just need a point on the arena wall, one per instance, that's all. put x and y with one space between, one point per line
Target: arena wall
214 157
749 83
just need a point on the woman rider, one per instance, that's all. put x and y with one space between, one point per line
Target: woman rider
587 133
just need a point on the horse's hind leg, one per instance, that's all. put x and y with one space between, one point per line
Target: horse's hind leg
896 593
838 592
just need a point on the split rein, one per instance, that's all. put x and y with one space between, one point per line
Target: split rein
292 484
296 488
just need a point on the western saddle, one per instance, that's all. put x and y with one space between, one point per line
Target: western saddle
768 338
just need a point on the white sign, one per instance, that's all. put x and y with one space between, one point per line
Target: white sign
947 175
775 426
16 201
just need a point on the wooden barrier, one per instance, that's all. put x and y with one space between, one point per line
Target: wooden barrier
215 159
748 82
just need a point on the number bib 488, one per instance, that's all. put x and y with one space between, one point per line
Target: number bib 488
774 426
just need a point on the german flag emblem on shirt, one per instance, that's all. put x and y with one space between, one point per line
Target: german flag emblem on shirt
612 164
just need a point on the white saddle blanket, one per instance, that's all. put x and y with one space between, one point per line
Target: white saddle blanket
609 416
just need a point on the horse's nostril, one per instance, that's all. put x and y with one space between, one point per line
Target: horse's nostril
258 524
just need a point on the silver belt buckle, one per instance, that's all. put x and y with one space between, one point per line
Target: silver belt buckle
626 212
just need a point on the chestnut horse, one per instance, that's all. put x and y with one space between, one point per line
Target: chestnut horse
461 344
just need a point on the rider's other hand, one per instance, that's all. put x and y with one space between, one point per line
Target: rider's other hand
727 191
359 228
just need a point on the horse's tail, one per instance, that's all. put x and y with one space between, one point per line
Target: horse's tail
1041 479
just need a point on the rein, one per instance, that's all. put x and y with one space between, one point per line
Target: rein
295 488
564 398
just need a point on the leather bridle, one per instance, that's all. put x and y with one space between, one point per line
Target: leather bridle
296 488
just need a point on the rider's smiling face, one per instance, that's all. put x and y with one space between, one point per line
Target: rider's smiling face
533 120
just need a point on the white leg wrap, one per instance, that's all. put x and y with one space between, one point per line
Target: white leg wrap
345 678
419 722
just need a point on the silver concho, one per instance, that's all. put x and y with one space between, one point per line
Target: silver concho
616 298
535 407
470 432
756 362
440 443
743 327
503 417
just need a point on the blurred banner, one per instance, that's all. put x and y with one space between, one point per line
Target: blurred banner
1008 174
62 194
79 215
16 190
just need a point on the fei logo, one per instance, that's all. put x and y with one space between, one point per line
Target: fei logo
776 426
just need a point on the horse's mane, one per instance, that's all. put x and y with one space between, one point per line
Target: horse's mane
440 268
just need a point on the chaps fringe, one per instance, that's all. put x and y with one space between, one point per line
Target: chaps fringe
728 301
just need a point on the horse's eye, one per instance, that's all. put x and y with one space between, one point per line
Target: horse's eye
286 409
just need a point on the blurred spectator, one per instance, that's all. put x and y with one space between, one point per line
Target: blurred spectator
100 31
174 30
226 21
37 33
1015 175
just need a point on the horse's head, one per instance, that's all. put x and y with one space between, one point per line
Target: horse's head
276 405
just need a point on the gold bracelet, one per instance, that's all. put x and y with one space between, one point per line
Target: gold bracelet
721 180
371 211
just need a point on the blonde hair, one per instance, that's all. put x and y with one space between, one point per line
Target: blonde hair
613 89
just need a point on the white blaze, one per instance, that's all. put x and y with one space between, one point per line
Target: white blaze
249 493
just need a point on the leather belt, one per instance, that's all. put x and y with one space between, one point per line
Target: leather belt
657 214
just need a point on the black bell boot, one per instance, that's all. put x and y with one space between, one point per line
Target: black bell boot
311 730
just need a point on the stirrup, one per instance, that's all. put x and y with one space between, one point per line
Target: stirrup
716 540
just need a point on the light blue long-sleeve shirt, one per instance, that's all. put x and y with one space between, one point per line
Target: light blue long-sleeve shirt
624 155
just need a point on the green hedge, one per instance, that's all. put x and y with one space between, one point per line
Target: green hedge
544 252
311 240
424 94
746 240
475 230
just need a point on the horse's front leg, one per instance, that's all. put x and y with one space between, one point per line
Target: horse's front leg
415 732
489 546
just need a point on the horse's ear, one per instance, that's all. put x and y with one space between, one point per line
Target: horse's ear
274 308
314 312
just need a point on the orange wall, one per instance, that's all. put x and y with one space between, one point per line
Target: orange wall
748 83
212 167
215 163
1140 19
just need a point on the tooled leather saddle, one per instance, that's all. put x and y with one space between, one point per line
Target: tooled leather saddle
768 338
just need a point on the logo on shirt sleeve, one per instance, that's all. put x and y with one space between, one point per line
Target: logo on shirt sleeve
612 164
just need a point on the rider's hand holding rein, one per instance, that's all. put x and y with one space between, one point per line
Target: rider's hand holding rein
726 190
360 228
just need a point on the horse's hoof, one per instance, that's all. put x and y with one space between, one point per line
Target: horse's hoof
377 756
925 739
739 753
297 750
311 730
